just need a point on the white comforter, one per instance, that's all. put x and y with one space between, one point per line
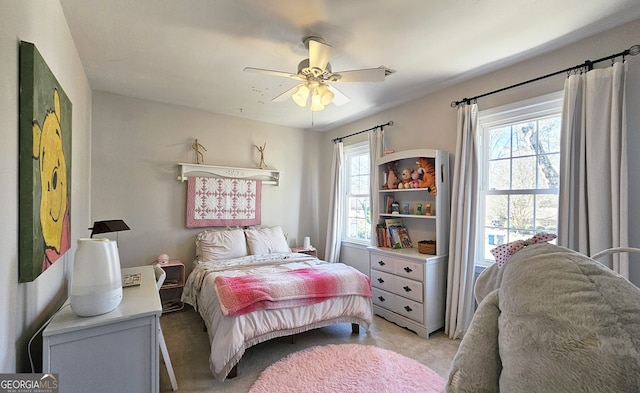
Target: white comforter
231 335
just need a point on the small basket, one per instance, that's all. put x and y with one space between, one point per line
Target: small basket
427 247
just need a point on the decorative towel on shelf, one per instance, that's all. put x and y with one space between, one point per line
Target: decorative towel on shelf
242 294
213 201
503 252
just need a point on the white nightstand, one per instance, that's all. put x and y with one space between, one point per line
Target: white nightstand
309 251
112 352
171 291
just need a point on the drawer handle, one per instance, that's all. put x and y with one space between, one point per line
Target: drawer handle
381 263
407 288
381 298
409 309
408 269
380 280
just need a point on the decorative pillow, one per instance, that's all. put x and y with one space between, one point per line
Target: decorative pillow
219 245
266 240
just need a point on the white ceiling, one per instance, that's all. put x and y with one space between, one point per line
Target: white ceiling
192 52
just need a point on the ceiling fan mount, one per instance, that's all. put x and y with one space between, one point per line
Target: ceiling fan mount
324 75
315 72
306 39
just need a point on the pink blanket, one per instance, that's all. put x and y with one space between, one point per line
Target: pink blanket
243 294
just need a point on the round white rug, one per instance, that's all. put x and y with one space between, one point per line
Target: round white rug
348 368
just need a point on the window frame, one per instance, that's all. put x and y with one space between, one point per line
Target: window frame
533 109
349 152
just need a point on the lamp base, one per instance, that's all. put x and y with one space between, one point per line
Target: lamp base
92 304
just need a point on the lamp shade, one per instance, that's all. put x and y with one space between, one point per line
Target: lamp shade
96 281
108 226
301 96
326 95
316 102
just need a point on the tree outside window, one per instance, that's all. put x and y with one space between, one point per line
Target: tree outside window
519 175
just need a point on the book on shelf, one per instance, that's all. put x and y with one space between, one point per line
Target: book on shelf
395 234
405 240
388 201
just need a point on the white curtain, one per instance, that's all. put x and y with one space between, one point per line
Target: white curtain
376 147
593 206
334 224
462 243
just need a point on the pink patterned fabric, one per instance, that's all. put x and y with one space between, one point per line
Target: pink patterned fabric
503 252
213 201
243 294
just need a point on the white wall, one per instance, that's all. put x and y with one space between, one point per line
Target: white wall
136 148
430 121
24 307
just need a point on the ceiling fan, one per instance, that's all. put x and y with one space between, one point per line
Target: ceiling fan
315 74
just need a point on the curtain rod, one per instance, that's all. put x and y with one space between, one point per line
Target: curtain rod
588 64
380 126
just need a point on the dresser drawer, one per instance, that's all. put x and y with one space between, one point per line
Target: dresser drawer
399 266
398 285
381 262
398 304
408 288
414 270
410 309
382 280
383 299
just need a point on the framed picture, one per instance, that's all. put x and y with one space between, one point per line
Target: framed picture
45 166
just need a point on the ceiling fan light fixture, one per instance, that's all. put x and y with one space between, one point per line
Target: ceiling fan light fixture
301 96
326 95
316 102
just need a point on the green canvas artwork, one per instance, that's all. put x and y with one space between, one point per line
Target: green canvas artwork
45 166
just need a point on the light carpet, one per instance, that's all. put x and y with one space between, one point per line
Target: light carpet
348 368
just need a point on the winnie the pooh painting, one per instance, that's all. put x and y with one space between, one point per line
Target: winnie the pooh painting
45 166
54 204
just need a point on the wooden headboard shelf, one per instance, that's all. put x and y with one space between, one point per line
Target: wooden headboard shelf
267 176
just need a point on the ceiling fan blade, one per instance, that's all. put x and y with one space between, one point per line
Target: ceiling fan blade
339 98
284 96
318 55
364 75
272 73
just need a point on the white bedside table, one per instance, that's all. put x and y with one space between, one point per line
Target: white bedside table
112 352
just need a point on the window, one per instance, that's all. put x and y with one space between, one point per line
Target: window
357 225
519 172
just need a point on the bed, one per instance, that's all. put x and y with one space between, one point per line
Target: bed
234 258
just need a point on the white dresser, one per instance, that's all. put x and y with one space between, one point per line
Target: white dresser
409 288
113 352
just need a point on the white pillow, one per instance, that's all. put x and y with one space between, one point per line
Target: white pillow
219 245
266 240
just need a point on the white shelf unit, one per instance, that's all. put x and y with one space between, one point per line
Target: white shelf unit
409 288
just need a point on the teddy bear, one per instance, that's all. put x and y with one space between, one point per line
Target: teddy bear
392 177
405 177
428 173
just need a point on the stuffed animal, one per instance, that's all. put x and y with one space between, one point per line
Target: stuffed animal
428 173
392 177
415 180
405 175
